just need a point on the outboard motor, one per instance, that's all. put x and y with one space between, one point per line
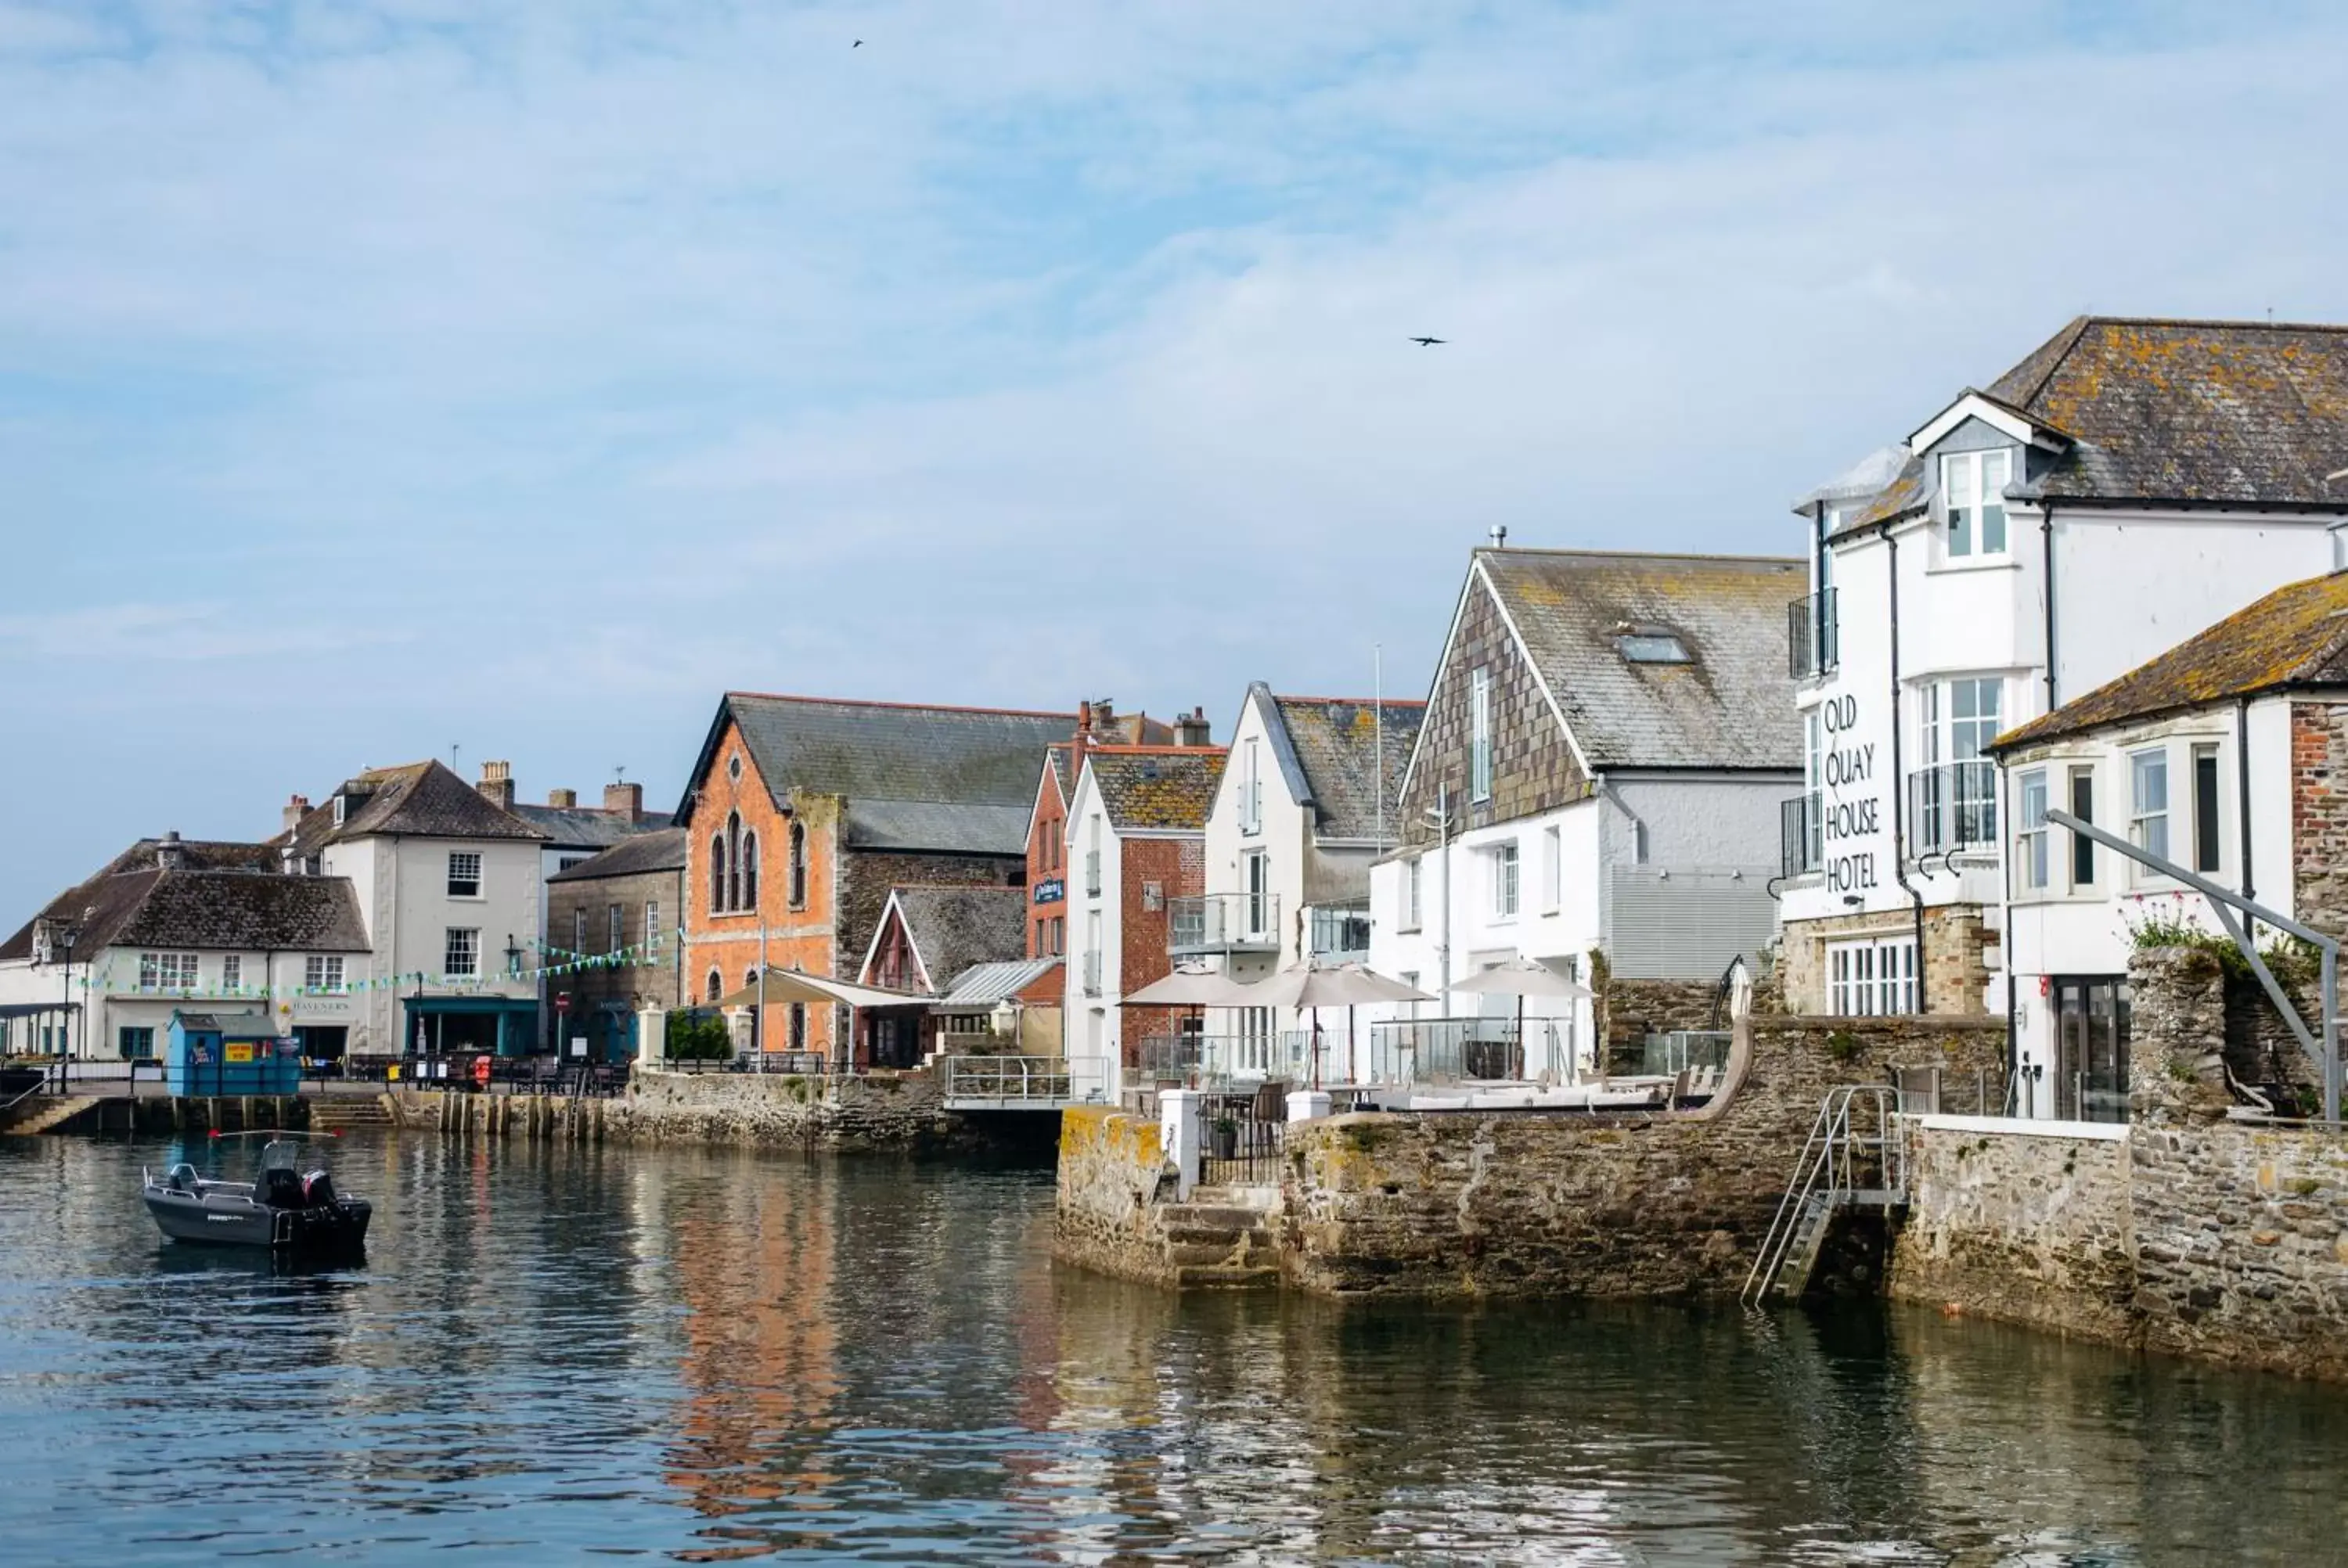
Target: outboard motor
318 1190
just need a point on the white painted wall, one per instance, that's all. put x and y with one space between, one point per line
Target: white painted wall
410 911
269 983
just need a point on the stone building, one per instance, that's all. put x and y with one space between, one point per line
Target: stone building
1608 741
2226 756
615 925
1137 841
2125 486
801 813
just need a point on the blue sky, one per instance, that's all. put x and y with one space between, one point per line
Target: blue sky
518 374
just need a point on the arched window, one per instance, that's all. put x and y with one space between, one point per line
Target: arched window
716 988
749 871
799 865
716 873
734 855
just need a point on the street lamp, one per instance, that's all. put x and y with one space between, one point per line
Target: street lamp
65 936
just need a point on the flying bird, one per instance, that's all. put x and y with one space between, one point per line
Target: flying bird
858 44
1427 342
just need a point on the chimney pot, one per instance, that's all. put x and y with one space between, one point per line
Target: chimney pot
1191 729
170 856
624 800
496 785
295 809
564 799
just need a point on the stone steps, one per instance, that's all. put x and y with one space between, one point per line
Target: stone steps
1216 1242
42 1115
334 1113
1229 1276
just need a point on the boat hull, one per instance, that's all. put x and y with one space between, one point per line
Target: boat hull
222 1220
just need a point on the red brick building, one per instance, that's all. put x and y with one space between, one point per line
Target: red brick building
802 814
1136 842
1098 723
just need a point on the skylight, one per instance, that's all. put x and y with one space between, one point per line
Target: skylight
1652 647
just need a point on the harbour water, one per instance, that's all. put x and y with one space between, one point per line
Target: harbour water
558 1352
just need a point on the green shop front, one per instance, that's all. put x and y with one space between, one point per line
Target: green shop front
468 1026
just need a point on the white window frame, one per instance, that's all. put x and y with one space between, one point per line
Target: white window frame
2033 868
2148 817
1507 869
579 931
1255 869
1479 735
1970 499
169 971
461 943
1871 977
615 927
1553 869
231 971
461 861
1252 790
323 973
652 926
1413 890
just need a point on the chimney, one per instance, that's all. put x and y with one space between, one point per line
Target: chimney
295 809
624 800
1103 714
497 784
563 799
169 853
1499 535
1190 729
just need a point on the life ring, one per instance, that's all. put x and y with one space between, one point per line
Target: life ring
481 1070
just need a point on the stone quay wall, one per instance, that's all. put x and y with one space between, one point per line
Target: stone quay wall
1112 1174
898 1113
2008 1221
1664 1204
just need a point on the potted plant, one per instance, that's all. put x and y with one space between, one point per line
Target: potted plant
1227 1138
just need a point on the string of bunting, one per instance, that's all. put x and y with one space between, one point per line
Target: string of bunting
562 961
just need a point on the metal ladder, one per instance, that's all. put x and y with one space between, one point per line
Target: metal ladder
1853 1158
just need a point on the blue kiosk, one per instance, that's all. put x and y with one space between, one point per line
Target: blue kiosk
229 1053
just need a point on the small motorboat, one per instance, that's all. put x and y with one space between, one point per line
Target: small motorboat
285 1210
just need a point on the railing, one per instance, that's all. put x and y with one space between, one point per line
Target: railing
1952 806
1013 1082
1854 1154
1340 934
1812 637
973 1042
1092 978
1213 1060
1240 1140
1222 923
1801 838
1473 1049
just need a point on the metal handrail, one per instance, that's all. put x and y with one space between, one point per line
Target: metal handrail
1018 1079
14 1100
1828 1170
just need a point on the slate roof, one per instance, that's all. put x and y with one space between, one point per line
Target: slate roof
229 1025
196 855
1062 755
2174 413
954 928
1731 706
232 911
587 827
421 800
1330 746
2296 636
663 849
1169 788
972 769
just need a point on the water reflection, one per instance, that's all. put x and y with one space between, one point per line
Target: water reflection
703 1357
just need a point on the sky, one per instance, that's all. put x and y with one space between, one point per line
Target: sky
509 378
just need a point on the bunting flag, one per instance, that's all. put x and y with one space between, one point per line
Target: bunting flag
562 961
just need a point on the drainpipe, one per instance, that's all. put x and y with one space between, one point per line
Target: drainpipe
2047 539
1900 773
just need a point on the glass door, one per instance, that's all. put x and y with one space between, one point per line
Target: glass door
2091 1048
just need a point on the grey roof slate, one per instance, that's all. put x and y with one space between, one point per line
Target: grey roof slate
587 827
1161 788
231 911
1335 744
973 768
421 800
954 928
1730 707
664 850
983 985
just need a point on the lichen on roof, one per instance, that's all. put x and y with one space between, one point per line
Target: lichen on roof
2295 636
1164 788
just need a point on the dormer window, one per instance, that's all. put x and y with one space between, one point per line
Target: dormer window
1973 497
342 808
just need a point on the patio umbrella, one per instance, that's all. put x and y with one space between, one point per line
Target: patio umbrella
1522 978
1316 986
794 986
1192 989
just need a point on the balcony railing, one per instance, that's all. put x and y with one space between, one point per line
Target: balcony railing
1092 973
1341 934
1801 847
1219 1060
1092 873
1222 923
1950 806
1812 636
1476 1050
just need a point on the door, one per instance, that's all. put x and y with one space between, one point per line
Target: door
2091 1047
